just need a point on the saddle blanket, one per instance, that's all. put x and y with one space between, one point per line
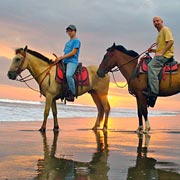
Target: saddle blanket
168 67
81 78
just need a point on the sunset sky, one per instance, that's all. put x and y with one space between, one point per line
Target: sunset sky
41 25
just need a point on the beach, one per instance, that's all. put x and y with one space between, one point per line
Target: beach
78 153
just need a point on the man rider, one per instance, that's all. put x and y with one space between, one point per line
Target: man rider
163 53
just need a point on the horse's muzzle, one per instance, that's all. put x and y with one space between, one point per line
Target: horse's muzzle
12 75
101 73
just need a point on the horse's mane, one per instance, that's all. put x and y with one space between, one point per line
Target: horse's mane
37 54
124 50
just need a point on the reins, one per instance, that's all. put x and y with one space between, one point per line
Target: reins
118 68
25 81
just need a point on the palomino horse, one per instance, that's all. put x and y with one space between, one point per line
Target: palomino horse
127 61
39 66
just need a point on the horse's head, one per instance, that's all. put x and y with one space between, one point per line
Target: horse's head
107 63
18 64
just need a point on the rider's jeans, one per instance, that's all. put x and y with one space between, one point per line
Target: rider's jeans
70 70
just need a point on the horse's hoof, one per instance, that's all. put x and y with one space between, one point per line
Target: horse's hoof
146 131
42 130
56 128
94 128
139 131
105 129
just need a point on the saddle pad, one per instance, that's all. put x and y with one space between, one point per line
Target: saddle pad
166 68
81 78
59 73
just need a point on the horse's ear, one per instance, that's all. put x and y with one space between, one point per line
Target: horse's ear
25 49
114 45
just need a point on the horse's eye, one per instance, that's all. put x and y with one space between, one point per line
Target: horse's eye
18 59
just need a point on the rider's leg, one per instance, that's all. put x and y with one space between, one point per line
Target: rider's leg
71 68
154 68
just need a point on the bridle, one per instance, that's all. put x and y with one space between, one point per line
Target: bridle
19 70
26 78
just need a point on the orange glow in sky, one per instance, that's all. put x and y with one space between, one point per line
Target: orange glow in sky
117 97
6 51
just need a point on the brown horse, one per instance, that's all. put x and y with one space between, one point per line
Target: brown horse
39 66
126 61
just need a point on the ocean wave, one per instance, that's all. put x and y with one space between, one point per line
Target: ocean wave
19 110
20 101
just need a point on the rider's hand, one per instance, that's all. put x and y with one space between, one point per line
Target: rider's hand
59 58
150 50
158 54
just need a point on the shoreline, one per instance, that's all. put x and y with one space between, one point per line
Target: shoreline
151 116
88 122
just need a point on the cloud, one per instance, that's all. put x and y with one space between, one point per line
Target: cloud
41 24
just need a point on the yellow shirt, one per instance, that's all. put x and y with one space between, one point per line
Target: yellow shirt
164 36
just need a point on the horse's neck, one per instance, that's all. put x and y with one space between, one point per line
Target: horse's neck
36 66
127 69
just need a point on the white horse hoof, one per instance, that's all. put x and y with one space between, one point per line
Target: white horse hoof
146 131
139 130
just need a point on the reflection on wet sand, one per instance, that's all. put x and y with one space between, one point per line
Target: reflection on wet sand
74 154
54 167
59 168
99 167
145 166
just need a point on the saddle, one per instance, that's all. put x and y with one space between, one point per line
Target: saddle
81 76
169 67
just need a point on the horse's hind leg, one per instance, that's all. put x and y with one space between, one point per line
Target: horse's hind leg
139 106
46 112
54 111
106 107
142 111
145 114
99 108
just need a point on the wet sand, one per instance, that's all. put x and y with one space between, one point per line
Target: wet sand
78 153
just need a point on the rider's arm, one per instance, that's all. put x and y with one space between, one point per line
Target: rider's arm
72 53
168 46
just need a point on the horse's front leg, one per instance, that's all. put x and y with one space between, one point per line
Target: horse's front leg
54 111
106 107
46 112
100 109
